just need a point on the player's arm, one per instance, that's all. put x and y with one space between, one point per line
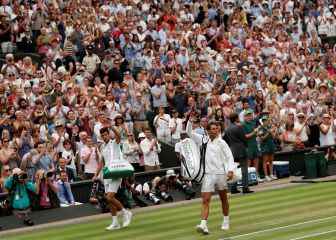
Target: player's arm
192 134
228 159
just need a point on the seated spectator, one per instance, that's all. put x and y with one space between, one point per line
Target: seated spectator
149 190
64 193
150 149
63 167
19 189
177 182
47 190
157 190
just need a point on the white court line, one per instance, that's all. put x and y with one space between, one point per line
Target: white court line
313 235
279 228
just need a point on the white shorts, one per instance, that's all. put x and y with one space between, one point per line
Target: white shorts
212 182
112 185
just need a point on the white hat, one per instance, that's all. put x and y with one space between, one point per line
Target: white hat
141 135
16 171
170 173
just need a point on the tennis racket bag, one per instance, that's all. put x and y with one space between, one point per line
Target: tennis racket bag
193 160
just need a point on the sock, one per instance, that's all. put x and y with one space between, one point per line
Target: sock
226 219
114 220
203 222
123 211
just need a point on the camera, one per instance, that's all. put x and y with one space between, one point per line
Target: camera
23 176
154 198
20 177
49 174
167 197
186 189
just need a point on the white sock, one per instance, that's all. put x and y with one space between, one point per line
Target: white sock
123 210
226 219
203 222
114 220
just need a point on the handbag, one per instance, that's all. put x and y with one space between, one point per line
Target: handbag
118 169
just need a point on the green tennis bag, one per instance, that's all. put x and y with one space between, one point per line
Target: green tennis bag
118 169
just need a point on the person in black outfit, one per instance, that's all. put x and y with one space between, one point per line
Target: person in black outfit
235 138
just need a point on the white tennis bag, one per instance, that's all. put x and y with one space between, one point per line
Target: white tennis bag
192 167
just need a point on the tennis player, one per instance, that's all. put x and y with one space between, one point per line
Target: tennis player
110 151
219 167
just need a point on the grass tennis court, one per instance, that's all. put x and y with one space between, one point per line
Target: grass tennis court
304 212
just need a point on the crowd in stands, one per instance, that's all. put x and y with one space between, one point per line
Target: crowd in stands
144 66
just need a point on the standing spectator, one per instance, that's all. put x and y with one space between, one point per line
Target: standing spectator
43 160
161 123
150 149
301 128
5 34
267 147
237 141
327 129
159 96
91 60
131 151
176 127
18 186
69 156
90 155
5 173
250 129
46 189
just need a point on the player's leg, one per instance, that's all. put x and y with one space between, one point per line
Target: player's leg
208 186
222 192
111 188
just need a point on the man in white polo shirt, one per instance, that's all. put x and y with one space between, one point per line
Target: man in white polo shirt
110 151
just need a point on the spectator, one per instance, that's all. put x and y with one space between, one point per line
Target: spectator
64 190
250 129
90 155
150 149
301 128
267 147
46 189
327 129
69 156
176 127
18 188
43 160
63 167
5 173
131 151
161 123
